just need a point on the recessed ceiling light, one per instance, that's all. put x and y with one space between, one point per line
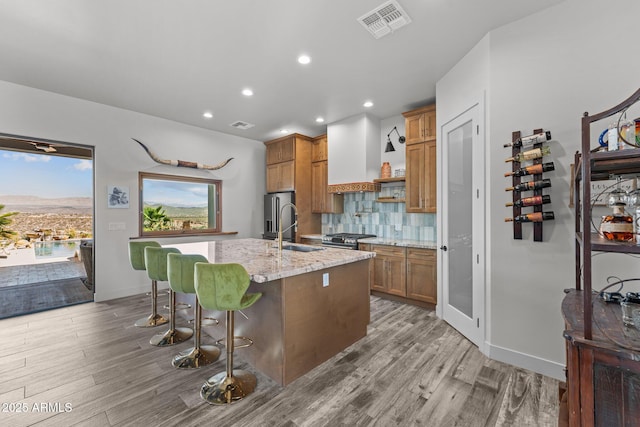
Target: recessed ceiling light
368 104
319 120
284 130
247 92
304 59
207 115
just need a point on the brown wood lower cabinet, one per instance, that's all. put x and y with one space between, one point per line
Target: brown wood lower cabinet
409 273
389 270
421 275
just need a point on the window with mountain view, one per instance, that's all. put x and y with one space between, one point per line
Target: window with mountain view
176 205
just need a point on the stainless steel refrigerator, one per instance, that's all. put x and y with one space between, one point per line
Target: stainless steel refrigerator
273 204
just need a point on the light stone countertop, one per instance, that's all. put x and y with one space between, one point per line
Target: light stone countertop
260 257
422 244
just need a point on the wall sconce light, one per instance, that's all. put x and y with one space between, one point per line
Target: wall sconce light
401 140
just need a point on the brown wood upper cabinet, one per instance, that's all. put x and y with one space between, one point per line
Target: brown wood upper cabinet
289 169
421 177
321 200
319 149
281 177
281 150
420 124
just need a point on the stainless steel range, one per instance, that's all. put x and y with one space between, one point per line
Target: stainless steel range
344 240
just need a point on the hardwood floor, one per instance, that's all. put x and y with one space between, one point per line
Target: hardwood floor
411 369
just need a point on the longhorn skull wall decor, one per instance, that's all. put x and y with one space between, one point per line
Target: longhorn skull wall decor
182 163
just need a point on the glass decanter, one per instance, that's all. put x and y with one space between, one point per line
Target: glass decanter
619 225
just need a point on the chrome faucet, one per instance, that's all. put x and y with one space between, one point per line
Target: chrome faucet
294 225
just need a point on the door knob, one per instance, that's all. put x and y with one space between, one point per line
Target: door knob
443 247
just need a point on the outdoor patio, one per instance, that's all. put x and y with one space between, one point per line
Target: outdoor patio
21 267
29 284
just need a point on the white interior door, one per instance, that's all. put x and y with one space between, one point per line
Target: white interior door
462 222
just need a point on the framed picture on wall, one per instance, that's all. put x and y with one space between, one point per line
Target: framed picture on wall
117 197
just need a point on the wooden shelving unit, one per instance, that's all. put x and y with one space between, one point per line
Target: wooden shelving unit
603 357
397 179
593 167
387 180
390 200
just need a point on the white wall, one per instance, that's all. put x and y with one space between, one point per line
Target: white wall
544 71
34 113
395 158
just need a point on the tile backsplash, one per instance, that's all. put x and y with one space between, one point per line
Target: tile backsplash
362 214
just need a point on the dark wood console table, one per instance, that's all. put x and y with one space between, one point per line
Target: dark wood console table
603 373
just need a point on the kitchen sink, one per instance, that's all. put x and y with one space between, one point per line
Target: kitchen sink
302 248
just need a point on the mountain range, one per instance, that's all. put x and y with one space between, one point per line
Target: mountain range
36 204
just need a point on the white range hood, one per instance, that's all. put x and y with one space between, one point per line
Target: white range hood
354 154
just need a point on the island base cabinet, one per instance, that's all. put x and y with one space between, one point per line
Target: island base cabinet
299 323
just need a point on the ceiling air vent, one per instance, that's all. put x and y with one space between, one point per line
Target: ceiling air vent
385 19
241 125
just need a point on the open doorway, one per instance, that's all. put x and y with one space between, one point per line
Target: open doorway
46 225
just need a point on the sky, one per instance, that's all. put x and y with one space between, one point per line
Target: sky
175 193
42 175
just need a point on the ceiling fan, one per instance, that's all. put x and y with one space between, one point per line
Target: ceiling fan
47 148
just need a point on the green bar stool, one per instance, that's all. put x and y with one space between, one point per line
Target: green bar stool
222 287
181 279
136 257
156 261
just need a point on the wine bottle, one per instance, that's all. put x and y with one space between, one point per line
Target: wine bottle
530 201
536 138
531 185
536 153
532 217
533 169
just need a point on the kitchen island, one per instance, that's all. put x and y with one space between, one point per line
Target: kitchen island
314 304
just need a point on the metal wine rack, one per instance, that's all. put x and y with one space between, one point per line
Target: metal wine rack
517 195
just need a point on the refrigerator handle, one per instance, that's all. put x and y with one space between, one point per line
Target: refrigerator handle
276 206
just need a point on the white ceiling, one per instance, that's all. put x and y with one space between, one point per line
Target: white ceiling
176 59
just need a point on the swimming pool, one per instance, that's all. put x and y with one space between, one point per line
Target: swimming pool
56 248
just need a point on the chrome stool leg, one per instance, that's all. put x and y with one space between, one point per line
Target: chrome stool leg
154 319
173 335
198 355
232 385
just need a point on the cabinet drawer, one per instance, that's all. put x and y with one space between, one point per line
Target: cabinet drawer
421 253
388 250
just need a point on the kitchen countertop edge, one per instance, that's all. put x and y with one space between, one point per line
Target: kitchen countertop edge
407 243
261 260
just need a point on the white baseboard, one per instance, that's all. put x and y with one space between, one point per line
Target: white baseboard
526 361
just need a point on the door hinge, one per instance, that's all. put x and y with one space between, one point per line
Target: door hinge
478 322
477 129
477 258
477 193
